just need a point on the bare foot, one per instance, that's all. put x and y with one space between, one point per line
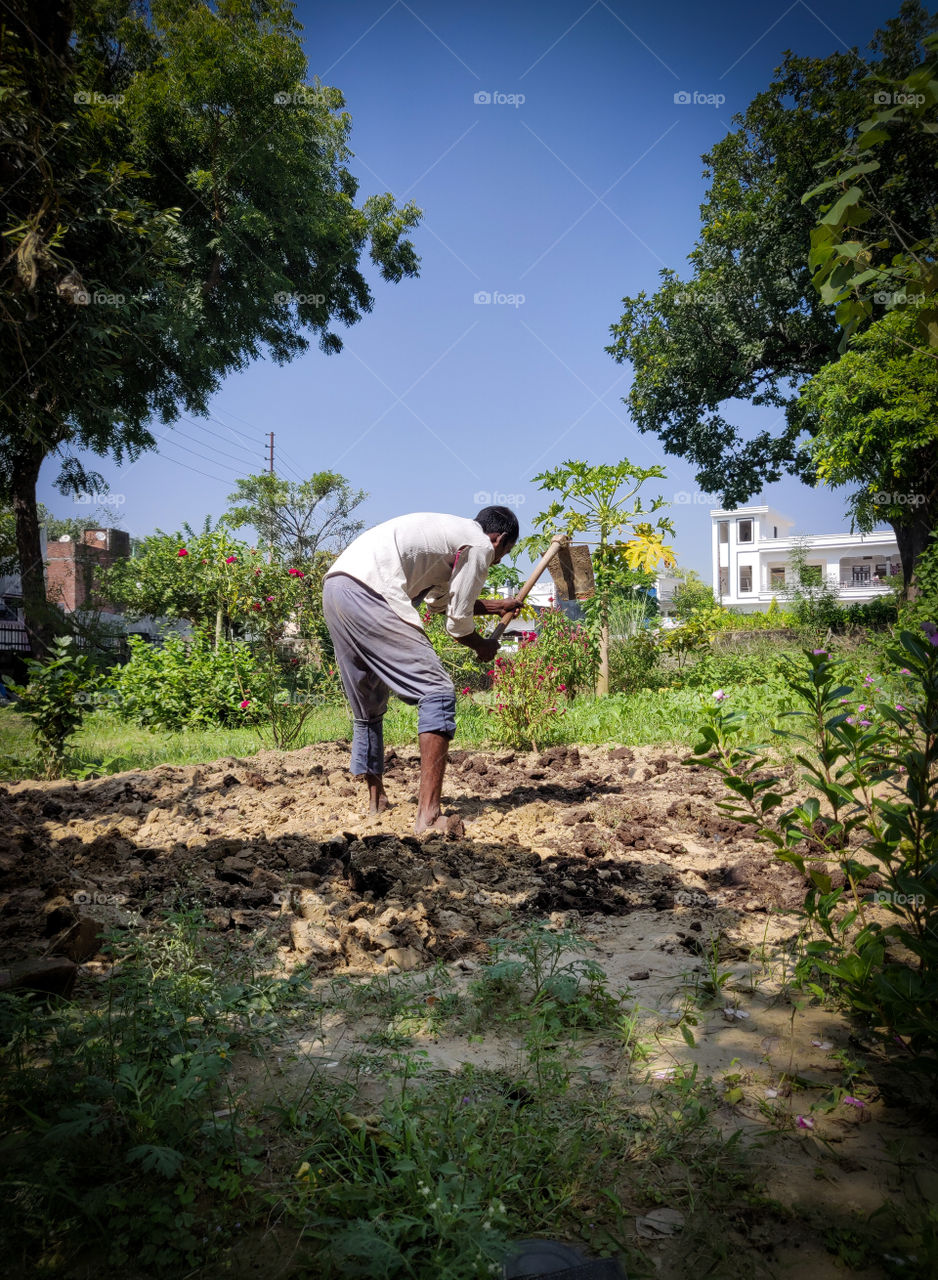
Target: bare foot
451 826
377 800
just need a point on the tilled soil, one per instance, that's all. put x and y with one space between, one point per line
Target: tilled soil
280 843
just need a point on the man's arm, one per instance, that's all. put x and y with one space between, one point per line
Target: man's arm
495 604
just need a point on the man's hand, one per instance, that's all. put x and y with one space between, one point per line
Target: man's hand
484 648
495 604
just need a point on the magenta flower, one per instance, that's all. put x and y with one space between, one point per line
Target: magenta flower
562 688
805 1122
852 1102
466 690
182 552
864 724
900 707
244 705
861 709
904 671
270 599
231 560
719 695
819 653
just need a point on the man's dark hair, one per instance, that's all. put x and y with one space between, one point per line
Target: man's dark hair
499 520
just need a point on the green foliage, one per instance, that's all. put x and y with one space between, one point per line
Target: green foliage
527 699
459 663
874 418
297 519
691 594
119 1116
182 683
56 699
568 647
862 259
154 236
633 663
749 326
873 812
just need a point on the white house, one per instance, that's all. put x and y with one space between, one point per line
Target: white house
752 547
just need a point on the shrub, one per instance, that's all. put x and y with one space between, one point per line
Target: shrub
874 812
528 694
632 663
569 648
183 683
56 699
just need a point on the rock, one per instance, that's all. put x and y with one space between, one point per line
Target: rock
59 913
52 975
622 753
236 870
640 975
405 958
83 940
311 939
372 933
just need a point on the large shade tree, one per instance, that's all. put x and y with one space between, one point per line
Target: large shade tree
176 203
748 325
873 418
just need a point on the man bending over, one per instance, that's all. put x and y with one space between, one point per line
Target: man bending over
371 600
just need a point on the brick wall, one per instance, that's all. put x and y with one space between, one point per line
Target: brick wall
70 566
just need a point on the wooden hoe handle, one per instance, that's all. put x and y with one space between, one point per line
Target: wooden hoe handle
559 540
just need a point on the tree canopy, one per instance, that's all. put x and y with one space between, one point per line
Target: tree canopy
298 518
748 324
177 202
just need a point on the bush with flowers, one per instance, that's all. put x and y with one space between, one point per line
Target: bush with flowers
569 647
866 837
528 698
184 683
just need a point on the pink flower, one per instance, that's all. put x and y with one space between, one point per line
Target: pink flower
819 653
852 1102
270 599
231 560
562 688
244 705
900 707
182 552
864 724
805 1122
466 690
904 671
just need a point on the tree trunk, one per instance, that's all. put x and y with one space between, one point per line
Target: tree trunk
43 621
913 535
602 684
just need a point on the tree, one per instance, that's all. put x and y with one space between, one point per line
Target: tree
691 593
177 202
181 575
853 269
749 325
298 519
591 501
873 416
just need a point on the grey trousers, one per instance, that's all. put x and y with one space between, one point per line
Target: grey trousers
378 653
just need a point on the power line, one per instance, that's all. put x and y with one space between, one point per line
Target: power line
232 444
257 444
196 453
196 470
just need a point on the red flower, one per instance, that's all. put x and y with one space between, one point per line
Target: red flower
466 690
244 705
231 560
182 552
257 606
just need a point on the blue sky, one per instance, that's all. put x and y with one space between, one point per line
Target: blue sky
555 206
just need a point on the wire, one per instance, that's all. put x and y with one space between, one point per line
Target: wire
196 470
196 453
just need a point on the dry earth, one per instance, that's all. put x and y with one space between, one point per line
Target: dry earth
627 843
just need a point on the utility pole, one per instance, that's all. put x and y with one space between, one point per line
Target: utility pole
271 450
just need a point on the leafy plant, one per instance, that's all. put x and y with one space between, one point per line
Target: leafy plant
56 699
527 699
182 683
873 813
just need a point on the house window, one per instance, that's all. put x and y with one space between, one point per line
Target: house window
881 571
776 578
774 530
745 531
724 582
724 530
745 578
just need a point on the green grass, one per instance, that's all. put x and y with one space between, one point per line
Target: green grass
650 717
